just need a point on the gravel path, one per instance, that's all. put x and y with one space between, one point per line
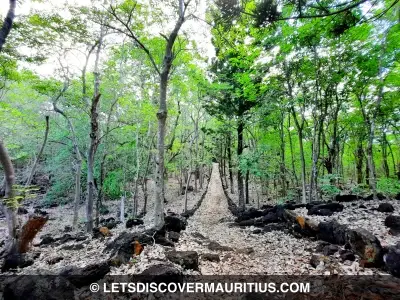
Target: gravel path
269 253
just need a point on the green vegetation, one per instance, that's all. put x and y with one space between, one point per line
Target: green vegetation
300 99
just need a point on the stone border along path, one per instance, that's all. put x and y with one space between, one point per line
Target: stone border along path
224 249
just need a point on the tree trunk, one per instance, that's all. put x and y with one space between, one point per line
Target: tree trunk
33 170
9 209
100 188
367 173
315 157
239 153
77 197
159 178
247 186
78 158
146 171
230 163
224 162
94 141
371 122
159 193
385 164
359 161
302 159
94 137
292 155
145 196
393 160
122 210
5 160
186 190
7 24
371 162
136 189
282 166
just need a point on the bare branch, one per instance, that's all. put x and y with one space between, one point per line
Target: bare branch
131 34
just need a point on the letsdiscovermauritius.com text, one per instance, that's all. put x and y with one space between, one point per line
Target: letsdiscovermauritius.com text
201 287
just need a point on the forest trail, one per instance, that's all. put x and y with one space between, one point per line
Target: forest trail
214 206
245 253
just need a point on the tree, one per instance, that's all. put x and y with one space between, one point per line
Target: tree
126 10
5 159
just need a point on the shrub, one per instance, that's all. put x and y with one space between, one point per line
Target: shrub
327 186
388 186
113 184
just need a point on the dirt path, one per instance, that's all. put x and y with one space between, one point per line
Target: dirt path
269 253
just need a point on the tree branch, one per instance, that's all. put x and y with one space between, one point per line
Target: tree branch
8 22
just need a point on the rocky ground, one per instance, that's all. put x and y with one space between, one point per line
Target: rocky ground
216 240
363 214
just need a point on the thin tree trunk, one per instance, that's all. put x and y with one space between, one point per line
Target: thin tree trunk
94 142
78 158
371 121
282 152
186 191
77 196
94 137
385 164
239 173
367 172
315 157
224 168
102 176
302 159
230 163
144 184
159 178
292 154
100 193
370 158
247 186
135 192
33 170
9 210
5 160
359 161
392 156
122 209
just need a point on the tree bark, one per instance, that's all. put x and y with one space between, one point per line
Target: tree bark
159 180
9 210
230 163
240 129
385 164
302 159
94 142
136 189
94 136
292 153
5 160
247 186
282 166
122 210
367 172
359 161
33 170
